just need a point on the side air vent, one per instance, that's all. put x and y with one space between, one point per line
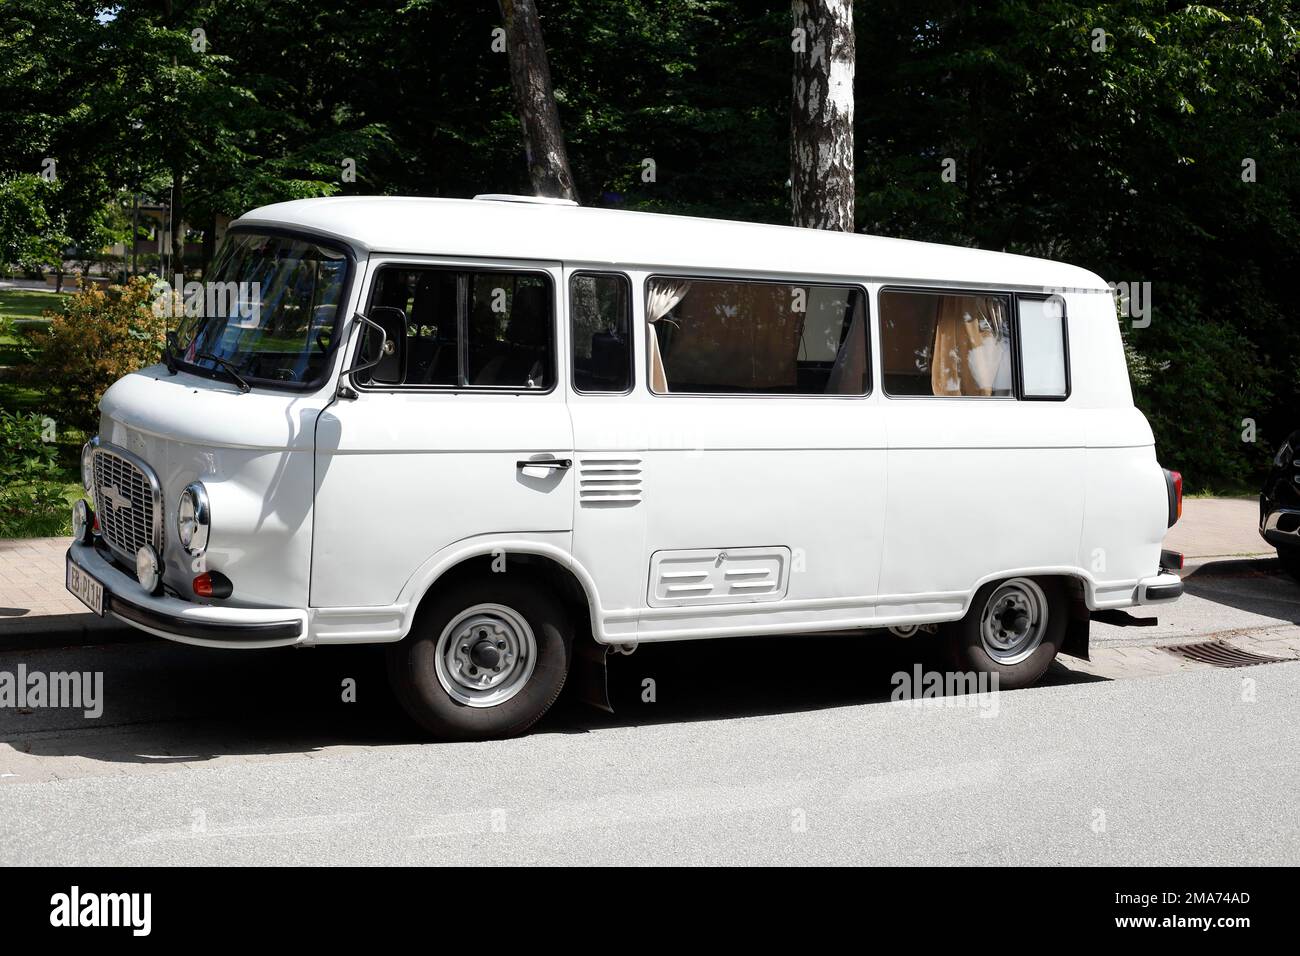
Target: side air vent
609 482
716 576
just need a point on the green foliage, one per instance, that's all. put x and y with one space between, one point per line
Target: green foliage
100 335
1126 160
33 496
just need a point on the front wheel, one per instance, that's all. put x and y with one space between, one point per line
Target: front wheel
1013 629
484 660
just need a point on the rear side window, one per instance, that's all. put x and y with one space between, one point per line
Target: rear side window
946 344
600 313
751 337
1043 352
473 329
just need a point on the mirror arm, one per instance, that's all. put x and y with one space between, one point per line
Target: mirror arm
345 390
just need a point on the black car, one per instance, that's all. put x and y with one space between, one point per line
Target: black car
1279 504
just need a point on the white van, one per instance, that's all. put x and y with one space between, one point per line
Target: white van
480 431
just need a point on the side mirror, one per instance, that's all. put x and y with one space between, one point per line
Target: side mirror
383 346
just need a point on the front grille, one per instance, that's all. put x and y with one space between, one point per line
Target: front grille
126 503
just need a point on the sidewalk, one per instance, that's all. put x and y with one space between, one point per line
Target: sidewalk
36 610
1218 528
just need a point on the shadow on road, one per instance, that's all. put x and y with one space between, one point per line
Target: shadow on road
1257 585
173 704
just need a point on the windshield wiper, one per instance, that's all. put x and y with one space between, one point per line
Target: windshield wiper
228 368
169 352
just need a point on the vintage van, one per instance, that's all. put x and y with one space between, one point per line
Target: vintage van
490 432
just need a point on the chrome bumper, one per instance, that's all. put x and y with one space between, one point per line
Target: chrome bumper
183 621
1161 589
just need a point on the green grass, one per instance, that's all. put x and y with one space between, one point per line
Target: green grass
28 303
20 310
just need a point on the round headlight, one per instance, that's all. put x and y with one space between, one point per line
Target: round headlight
81 521
88 465
192 519
147 570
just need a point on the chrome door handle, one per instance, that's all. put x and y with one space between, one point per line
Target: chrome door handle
557 463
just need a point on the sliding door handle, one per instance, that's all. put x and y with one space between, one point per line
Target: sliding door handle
560 464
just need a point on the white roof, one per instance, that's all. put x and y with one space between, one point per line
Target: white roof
505 229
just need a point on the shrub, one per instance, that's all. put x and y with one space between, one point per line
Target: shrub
100 335
33 495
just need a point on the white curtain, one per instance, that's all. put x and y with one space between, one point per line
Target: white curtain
972 353
665 294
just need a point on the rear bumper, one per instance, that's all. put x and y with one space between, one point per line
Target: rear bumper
1161 589
184 621
1281 527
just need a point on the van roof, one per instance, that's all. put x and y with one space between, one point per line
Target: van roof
511 229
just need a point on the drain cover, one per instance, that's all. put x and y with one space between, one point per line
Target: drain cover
1220 654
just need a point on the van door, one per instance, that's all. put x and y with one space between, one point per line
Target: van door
433 455
764 470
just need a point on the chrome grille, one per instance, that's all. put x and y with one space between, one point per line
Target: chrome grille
127 502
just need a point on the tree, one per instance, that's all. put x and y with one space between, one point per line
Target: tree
530 75
821 115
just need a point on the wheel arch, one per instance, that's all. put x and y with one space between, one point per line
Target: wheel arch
540 560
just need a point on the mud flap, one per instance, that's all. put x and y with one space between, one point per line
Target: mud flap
590 674
1076 630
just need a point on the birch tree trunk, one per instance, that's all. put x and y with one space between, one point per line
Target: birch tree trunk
530 75
821 115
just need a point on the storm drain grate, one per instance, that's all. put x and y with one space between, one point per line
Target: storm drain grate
1221 654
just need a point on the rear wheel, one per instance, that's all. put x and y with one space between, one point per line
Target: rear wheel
1013 628
485 659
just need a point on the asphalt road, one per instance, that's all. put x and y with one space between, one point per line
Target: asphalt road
752 751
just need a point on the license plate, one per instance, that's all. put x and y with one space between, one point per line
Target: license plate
89 591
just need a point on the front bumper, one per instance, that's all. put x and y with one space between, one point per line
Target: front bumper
184 621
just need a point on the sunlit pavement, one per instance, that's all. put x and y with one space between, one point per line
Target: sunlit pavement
771 750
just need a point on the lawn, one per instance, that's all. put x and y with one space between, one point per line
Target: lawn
26 510
28 303
21 309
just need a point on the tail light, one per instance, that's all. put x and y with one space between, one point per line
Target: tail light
1174 484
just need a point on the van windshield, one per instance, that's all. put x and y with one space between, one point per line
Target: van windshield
268 311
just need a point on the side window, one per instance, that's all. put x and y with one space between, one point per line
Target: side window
473 329
1043 354
739 337
600 316
511 342
938 343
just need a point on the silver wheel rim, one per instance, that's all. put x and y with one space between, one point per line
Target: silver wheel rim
485 655
1014 621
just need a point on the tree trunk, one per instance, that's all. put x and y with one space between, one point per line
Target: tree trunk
821 115
178 221
530 75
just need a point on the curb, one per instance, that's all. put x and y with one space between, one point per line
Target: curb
49 631
1227 566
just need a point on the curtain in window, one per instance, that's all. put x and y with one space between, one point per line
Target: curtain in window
972 347
665 295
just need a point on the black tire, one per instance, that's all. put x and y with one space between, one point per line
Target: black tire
412 667
966 649
1290 558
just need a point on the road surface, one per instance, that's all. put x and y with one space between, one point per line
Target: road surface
752 751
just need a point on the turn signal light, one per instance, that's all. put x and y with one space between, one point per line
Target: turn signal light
213 584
